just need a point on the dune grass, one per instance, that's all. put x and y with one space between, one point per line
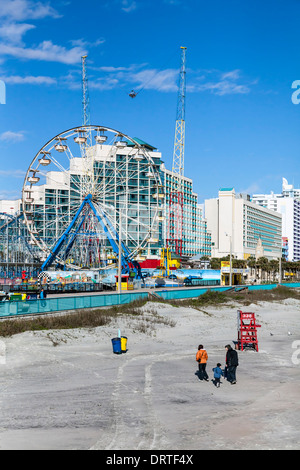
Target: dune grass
81 318
91 318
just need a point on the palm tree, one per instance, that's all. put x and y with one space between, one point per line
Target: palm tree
263 264
297 263
239 263
274 267
215 263
252 264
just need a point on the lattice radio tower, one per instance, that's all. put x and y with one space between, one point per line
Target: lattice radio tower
175 223
86 120
85 95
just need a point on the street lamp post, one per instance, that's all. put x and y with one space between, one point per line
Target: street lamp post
280 273
230 260
120 256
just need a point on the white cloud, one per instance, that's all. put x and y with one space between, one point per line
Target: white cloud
173 2
72 80
46 51
113 69
128 5
13 32
31 80
138 77
104 84
110 69
220 83
252 189
131 77
13 14
223 87
163 80
233 75
21 10
10 194
83 43
14 173
10 136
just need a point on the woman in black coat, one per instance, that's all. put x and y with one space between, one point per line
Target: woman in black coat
231 363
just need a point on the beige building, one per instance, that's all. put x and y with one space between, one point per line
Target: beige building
237 224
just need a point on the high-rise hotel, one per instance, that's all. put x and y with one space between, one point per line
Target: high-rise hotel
238 225
286 203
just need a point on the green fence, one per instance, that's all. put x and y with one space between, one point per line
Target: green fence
291 284
60 304
187 293
263 287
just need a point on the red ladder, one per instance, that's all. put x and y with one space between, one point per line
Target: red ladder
247 330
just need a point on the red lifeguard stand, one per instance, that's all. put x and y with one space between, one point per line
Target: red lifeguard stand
247 330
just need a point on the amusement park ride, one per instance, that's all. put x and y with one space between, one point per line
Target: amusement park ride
15 249
80 222
128 263
174 237
72 204
85 197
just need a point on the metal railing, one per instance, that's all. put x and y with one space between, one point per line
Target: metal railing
61 304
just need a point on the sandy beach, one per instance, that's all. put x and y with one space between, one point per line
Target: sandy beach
66 389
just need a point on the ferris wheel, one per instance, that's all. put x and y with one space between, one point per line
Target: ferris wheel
120 178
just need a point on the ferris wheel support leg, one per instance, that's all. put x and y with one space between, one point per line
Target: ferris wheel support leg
128 257
110 232
71 243
60 242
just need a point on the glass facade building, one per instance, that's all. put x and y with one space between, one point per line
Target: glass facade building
196 239
51 202
287 203
239 225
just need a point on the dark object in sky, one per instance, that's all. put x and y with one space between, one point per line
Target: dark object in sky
132 94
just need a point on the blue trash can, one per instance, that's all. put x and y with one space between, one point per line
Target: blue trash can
116 344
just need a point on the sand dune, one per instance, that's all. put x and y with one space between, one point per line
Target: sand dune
67 390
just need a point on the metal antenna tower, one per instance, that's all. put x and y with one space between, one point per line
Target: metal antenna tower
178 155
88 174
86 121
175 220
85 95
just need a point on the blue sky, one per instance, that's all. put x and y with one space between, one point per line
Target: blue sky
242 129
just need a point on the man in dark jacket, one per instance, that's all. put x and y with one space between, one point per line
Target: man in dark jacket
231 363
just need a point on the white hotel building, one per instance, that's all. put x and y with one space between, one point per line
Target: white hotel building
288 205
239 225
124 185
